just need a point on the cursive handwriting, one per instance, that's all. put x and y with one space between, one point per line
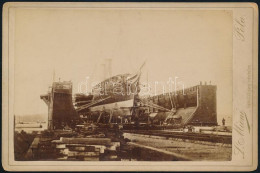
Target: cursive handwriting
239 127
239 28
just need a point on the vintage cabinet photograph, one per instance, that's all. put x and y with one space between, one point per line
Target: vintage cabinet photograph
128 83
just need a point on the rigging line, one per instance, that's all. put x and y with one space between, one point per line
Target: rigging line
161 108
91 104
156 106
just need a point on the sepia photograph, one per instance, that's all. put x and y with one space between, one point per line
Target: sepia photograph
97 83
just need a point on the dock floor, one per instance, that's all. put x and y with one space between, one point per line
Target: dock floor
189 150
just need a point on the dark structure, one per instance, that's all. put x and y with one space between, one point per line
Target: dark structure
191 106
206 112
61 112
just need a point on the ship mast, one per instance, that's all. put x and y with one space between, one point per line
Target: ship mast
53 77
107 69
104 71
108 63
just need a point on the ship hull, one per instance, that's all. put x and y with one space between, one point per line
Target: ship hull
124 106
118 92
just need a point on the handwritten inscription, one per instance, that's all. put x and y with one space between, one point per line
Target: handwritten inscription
239 28
240 129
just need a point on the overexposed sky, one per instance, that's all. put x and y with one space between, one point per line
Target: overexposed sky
194 45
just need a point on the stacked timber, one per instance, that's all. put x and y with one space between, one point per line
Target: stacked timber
93 149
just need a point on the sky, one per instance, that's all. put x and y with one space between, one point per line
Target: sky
193 45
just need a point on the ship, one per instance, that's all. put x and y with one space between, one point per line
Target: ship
116 92
112 98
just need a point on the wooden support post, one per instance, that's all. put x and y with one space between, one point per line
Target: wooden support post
111 114
99 117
